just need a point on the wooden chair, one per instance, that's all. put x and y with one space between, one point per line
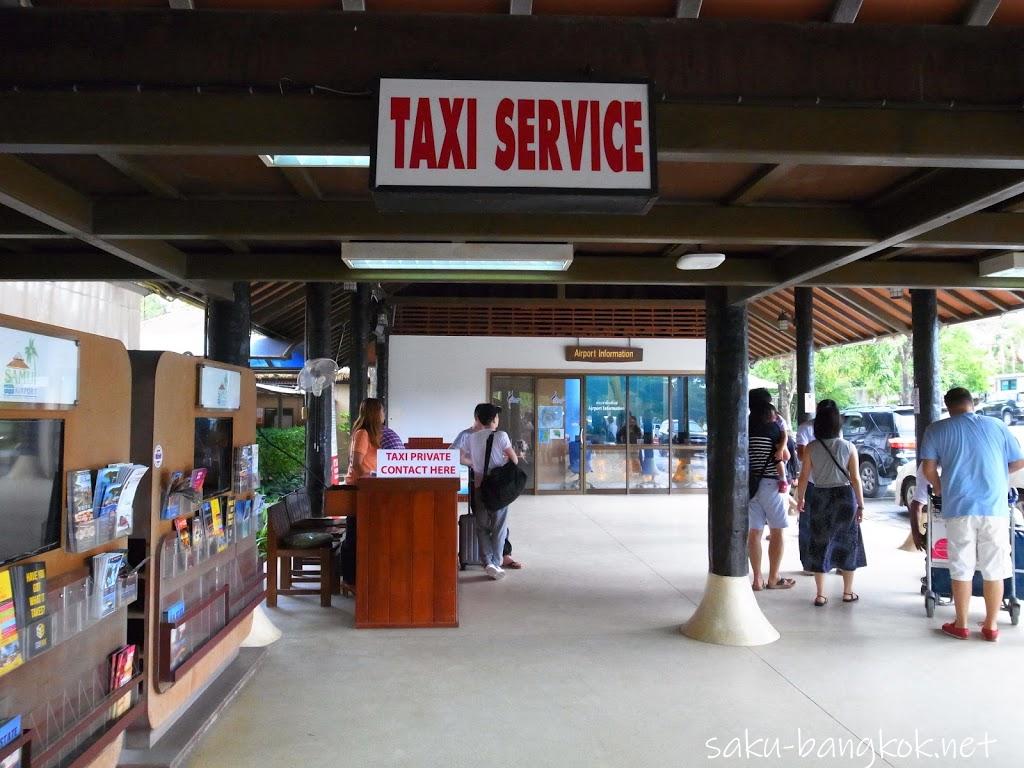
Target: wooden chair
281 561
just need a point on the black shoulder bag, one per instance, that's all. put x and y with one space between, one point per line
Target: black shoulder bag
756 481
501 486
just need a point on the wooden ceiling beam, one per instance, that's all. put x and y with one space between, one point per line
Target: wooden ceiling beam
688 9
305 266
758 185
855 63
980 12
970 301
348 220
142 176
845 11
839 306
956 195
189 123
308 219
33 193
888 322
303 183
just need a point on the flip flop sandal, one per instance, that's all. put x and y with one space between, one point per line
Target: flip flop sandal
515 565
850 597
782 584
757 588
820 601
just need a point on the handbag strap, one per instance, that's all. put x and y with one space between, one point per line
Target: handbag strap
487 452
767 461
835 461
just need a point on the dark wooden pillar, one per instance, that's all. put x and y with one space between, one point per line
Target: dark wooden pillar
803 313
727 364
383 350
359 308
924 311
319 411
228 325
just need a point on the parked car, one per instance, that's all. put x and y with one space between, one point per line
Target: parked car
696 434
1010 411
885 441
906 482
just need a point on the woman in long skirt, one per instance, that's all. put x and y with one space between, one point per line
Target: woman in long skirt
834 504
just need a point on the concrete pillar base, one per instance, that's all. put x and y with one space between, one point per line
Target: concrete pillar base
728 614
908 545
263 630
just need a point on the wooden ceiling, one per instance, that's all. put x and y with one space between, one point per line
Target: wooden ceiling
1007 12
892 159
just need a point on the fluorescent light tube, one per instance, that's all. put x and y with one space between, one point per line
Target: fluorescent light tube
316 161
481 257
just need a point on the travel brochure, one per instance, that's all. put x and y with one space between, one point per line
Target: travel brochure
247 469
216 521
10 731
183 495
122 670
101 510
106 569
11 656
30 607
23 604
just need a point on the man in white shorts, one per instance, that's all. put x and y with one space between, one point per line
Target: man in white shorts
976 454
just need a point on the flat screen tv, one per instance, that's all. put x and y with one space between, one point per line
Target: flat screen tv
214 453
31 469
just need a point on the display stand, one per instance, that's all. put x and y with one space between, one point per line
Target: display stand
63 693
218 582
407 553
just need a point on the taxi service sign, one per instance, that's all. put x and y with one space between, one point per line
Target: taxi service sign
513 145
423 463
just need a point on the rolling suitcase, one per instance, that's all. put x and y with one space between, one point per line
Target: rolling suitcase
469 545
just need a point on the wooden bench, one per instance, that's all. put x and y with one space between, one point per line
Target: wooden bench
287 565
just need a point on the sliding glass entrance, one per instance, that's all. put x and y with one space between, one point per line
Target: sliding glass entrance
621 433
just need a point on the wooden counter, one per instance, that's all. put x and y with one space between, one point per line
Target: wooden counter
407 553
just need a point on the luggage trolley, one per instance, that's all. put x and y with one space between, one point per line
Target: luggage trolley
933 588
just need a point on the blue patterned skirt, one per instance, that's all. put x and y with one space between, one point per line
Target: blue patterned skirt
833 539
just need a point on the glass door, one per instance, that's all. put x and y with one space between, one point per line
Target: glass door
515 395
689 432
605 433
559 435
647 419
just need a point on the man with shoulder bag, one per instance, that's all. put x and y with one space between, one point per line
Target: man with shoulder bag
490 452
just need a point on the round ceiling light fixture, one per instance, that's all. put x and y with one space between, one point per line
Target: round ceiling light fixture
700 260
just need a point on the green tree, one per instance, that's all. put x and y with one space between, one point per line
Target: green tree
781 371
962 362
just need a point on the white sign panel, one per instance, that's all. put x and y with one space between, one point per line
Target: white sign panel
570 138
38 369
219 388
423 463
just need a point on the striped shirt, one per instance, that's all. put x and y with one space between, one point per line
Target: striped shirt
763 440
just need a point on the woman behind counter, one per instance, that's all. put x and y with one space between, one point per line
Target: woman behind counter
368 435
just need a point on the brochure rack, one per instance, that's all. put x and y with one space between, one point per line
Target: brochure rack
61 694
211 584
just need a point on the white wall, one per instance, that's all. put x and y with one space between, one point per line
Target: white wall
435 381
101 308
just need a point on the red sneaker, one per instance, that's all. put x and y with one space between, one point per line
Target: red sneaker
990 634
960 633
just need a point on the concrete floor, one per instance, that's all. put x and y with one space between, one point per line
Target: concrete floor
577 661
